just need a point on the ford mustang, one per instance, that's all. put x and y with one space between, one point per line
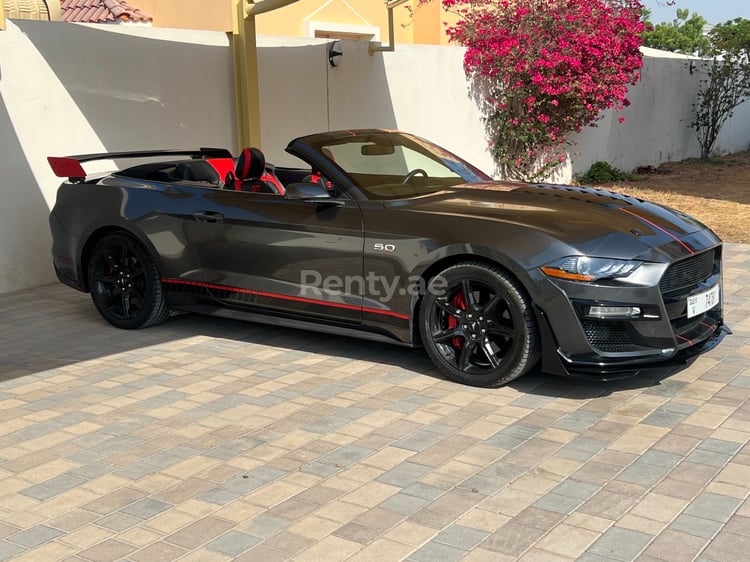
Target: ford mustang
384 235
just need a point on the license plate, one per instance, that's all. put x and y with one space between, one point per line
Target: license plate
700 303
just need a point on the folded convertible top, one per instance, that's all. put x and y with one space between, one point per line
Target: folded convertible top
70 166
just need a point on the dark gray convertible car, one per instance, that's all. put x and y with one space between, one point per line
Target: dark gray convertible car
383 235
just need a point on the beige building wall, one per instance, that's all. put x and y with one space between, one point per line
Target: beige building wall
339 19
355 19
429 24
212 15
347 19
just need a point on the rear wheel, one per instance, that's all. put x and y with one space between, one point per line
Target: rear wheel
125 283
478 326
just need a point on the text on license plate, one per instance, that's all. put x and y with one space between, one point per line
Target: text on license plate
700 303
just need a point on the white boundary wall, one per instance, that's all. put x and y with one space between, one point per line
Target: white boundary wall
73 89
656 126
69 89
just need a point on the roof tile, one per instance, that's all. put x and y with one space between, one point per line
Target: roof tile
101 11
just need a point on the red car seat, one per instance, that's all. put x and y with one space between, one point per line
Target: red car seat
223 166
318 177
250 174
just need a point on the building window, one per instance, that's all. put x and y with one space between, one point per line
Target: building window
328 30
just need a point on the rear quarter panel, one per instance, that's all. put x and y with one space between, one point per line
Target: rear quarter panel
154 213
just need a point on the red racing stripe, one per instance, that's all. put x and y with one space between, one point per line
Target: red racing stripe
284 297
688 248
685 339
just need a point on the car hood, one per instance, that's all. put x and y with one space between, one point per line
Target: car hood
584 218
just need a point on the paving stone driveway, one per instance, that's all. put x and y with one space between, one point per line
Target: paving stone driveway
206 439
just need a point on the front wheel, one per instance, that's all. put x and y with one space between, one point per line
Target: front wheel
478 326
125 283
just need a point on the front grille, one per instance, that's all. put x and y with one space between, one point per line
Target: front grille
607 336
688 273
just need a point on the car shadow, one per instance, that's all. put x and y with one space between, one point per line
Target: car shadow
415 360
71 331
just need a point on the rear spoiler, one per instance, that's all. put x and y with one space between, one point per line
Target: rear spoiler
70 166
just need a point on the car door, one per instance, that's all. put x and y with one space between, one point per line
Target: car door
262 251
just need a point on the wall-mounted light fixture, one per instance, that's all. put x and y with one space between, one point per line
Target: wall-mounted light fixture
335 53
691 66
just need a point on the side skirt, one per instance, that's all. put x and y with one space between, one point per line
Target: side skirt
290 323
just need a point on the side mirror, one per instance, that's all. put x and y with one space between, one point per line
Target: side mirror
309 192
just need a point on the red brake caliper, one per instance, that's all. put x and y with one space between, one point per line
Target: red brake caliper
459 302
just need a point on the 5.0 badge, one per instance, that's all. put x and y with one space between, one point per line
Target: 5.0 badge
381 247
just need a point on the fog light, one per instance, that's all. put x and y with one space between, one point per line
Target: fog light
614 312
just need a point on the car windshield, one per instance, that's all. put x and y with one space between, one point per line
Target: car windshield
389 165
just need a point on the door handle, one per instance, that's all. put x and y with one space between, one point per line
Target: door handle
208 216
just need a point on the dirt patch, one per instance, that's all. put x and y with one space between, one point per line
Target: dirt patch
716 192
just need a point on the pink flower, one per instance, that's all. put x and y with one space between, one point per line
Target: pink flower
560 64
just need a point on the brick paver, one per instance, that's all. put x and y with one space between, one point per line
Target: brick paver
208 439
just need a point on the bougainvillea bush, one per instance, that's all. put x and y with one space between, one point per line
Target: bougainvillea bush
549 68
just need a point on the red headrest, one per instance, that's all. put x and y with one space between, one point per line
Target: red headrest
250 165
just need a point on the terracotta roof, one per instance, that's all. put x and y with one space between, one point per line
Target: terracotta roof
101 11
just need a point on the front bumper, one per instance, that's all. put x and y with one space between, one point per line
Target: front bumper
577 345
555 364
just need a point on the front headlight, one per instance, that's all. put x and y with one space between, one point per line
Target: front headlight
584 268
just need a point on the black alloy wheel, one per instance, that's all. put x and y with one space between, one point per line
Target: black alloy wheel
125 283
478 326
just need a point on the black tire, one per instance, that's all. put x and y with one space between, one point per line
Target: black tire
125 283
477 325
